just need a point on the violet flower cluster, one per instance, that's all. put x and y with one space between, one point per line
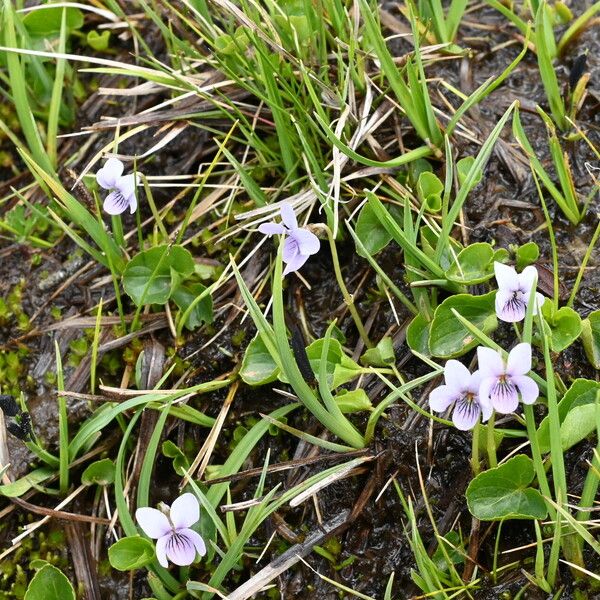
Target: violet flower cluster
497 385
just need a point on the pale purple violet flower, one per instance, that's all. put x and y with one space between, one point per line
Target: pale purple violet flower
122 195
175 540
501 384
513 292
462 390
299 243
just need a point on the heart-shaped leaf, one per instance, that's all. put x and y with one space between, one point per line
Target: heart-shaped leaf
100 472
417 335
576 412
340 367
503 492
563 325
527 254
381 355
258 367
474 264
369 230
184 295
49 583
590 336
448 338
131 553
148 277
430 190
353 401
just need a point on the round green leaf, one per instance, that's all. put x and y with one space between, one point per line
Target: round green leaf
429 190
417 335
353 401
564 325
448 338
258 368
46 21
184 295
101 472
131 553
503 492
49 584
369 230
151 276
527 254
474 264
340 367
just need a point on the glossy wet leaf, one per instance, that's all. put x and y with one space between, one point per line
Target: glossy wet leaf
184 295
417 335
381 355
46 21
590 336
151 275
564 325
575 413
49 583
373 235
353 401
258 367
448 338
131 553
504 493
526 255
340 367
474 264
430 190
463 166
100 472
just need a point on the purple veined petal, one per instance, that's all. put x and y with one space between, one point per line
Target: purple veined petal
109 174
161 550
153 522
526 279
527 387
485 389
288 216
295 263
506 277
308 242
196 539
126 185
456 375
504 396
519 360
271 228
180 548
474 383
510 306
290 249
442 397
132 204
185 511
466 413
115 203
490 362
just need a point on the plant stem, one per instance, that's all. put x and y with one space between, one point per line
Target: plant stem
491 442
475 450
348 299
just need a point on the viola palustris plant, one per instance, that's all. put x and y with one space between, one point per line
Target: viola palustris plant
299 300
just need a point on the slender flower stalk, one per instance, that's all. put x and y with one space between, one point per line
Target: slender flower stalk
175 540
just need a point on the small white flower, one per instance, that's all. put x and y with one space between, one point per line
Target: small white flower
122 196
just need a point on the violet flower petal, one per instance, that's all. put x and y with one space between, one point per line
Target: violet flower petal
109 174
295 263
456 375
271 228
161 550
504 396
180 548
527 278
126 185
474 383
288 216
185 511
527 387
442 397
510 306
506 277
466 413
485 388
308 242
115 203
519 360
490 362
290 249
153 522
196 539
